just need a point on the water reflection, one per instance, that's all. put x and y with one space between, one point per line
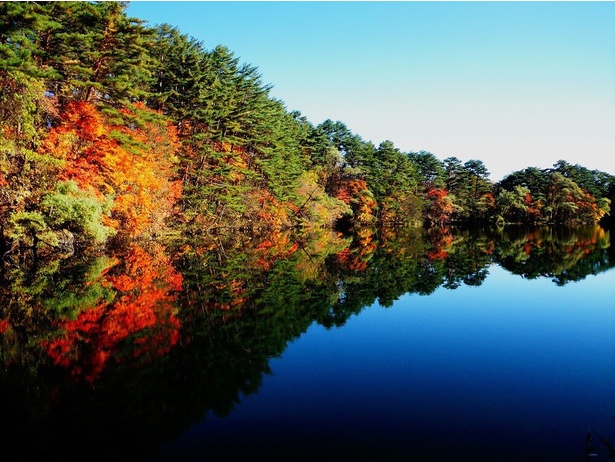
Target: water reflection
562 254
133 347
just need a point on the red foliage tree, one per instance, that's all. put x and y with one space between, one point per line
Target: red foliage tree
357 194
440 207
130 164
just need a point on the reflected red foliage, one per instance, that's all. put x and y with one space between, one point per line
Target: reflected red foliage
277 246
356 257
139 324
441 243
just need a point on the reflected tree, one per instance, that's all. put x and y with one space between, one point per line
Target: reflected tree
164 338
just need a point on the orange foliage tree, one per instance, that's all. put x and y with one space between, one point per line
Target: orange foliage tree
127 164
439 208
356 193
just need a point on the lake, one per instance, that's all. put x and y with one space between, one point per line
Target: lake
494 345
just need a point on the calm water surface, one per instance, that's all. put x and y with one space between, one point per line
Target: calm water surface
449 357
514 369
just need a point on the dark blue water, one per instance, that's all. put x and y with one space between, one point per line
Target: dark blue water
513 369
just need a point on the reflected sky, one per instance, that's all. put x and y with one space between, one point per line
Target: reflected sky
511 368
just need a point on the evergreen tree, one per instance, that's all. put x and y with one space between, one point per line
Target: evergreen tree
179 87
595 182
429 168
479 194
394 183
86 50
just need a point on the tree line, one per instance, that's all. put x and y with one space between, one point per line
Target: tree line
112 128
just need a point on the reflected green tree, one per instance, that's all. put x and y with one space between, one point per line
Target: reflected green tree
562 254
214 320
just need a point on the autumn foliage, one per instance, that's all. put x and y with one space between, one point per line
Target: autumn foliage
356 193
109 127
128 166
141 317
440 207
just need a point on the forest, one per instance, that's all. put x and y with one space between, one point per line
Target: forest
114 130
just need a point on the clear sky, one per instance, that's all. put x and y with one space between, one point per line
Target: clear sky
514 84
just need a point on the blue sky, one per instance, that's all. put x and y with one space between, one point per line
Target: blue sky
514 84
